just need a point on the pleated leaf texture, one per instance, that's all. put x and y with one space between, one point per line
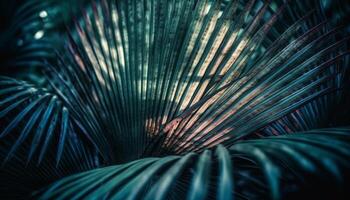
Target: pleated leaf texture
183 99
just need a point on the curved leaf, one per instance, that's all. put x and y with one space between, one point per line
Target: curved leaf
279 159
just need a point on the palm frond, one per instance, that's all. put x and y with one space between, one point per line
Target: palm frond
33 115
196 99
20 178
210 73
271 166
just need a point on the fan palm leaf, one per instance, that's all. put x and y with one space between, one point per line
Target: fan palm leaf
37 112
183 99
184 82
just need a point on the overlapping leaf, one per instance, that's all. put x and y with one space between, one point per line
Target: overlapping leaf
146 78
182 76
33 116
270 166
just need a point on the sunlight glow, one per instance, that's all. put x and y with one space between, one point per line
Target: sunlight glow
43 14
39 34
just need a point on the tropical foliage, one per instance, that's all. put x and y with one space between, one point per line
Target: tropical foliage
191 99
